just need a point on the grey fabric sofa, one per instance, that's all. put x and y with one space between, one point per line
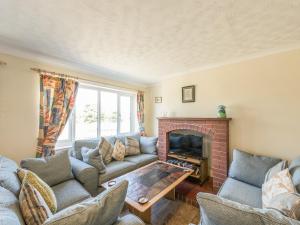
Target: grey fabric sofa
239 201
115 168
75 204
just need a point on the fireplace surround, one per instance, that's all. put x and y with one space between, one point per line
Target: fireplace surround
217 129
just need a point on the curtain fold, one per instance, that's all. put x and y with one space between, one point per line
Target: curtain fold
140 112
57 98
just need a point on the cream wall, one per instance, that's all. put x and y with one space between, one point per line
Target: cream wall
262 96
19 104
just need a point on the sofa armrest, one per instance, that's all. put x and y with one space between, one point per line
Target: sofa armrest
86 174
217 210
129 219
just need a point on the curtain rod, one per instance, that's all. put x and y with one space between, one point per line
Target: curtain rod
3 63
80 79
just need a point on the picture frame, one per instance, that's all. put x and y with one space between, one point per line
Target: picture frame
158 99
188 93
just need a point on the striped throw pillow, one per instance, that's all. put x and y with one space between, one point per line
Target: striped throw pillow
132 146
34 209
41 186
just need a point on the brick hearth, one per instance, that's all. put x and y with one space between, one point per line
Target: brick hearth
218 131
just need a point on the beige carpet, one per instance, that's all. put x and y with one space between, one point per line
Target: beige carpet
167 212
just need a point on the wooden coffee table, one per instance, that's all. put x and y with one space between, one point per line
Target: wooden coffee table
153 181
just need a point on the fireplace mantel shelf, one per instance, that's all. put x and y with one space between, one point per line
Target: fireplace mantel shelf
194 118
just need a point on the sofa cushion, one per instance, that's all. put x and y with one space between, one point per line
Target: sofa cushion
294 168
132 146
148 145
241 192
216 210
119 151
106 149
115 169
8 176
275 169
69 193
34 209
104 209
53 169
43 188
9 208
250 168
78 144
278 184
93 158
142 159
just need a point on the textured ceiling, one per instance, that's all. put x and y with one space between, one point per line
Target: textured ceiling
148 40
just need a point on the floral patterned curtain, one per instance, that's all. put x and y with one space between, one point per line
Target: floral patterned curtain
140 112
57 97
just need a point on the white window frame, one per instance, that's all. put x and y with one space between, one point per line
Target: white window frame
62 144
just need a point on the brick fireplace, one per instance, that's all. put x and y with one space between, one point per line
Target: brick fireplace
215 128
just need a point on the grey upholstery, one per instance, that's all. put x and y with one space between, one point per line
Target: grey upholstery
148 145
129 219
69 193
90 143
250 168
53 170
9 208
115 169
219 211
141 159
241 192
86 174
101 210
295 172
8 176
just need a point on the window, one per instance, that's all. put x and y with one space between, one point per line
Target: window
99 112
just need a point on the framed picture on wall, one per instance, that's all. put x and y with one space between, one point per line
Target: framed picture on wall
188 94
158 99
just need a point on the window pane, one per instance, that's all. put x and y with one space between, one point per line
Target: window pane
109 113
86 114
125 114
65 134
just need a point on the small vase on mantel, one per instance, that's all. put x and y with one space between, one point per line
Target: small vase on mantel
221 111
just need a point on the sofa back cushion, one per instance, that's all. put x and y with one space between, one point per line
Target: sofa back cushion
294 168
250 168
9 208
91 144
53 169
8 176
148 145
104 209
216 210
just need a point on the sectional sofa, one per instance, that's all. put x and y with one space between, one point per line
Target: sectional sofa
115 168
75 204
239 200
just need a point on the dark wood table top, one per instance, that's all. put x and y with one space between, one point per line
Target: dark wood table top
152 181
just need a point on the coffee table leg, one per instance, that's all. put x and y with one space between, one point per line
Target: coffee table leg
171 195
145 216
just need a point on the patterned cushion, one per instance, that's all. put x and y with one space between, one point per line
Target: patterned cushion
94 158
288 204
43 188
132 146
278 184
275 170
34 209
119 151
106 150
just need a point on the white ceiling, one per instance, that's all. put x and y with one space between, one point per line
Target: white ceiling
145 41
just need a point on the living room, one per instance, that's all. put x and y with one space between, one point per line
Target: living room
157 112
